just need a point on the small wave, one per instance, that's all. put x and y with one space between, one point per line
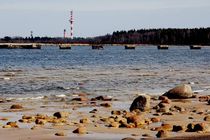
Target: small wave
60 96
46 88
15 70
6 78
25 98
197 91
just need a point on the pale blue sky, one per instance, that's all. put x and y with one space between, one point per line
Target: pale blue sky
99 17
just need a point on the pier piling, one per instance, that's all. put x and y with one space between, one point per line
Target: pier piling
97 47
130 47
195 47
162 47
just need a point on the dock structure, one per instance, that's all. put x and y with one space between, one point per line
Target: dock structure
20 46
97 47
130 47
65 46
162 47
4 46
195 47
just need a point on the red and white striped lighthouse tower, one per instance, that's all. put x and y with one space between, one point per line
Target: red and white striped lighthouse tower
71 24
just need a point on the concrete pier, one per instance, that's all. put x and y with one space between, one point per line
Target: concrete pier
130 47
64 46
162 47
4 46
97 47
20 46
195 47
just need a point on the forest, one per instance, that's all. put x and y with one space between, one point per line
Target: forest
170 36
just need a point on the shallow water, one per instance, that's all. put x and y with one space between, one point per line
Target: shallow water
112 71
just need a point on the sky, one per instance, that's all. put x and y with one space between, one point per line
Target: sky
99 17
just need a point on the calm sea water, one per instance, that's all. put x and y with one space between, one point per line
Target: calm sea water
112 71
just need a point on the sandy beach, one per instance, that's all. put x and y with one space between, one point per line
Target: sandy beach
100 118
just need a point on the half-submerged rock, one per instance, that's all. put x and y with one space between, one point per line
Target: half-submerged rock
16 106
141 103
179 92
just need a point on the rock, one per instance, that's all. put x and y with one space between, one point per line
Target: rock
4 119
163 107
128 138
128 114
156 114
204 98
28 117
41 116
57 121
102 98
148 121
178 109
199 127
130 125
200 111
179 92
207 118
116 112
41 121
154 120
85 121
33 127
13 124
61 114
2 100
162 134
137 120
60 134
6 126
167 127
82 94
190 127
141 103
80 130
16 106
120 119
114 125
81 99
135 135
190 118
177 128
23 121
106 105
111 119
167 101
204 127
167 113
93 111
162 98
146 135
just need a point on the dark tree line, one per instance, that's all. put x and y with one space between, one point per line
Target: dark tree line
49 40
199 36
169 36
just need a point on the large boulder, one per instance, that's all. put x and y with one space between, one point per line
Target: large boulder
142 102
179 92
61 114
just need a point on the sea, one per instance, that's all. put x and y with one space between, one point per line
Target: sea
112 71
